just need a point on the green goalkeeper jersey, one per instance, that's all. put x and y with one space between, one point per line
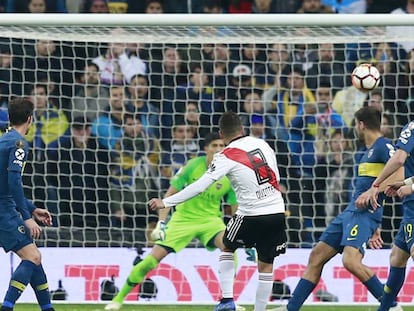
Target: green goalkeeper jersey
208 203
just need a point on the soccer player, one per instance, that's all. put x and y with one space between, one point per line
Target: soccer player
403 246
350 232
251 166
17 227
199 218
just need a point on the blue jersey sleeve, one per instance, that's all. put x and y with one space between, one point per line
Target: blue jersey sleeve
406 139
17 158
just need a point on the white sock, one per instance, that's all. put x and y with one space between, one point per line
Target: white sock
226 274
264 289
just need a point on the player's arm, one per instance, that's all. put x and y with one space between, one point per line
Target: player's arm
394 164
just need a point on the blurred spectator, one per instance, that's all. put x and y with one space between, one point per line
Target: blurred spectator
388 128
274 72
347 101
36 6
198 90
335 171
395 31
79 169
212 7
183 147
347 6
49 125
240 6
108 126
327 119
134 177
192 119
326 68
375 100
7 74
117 66
140 104
251 55
289 102
304 54
95 6
154 7
275 6
383 6
241 84
314 6
91 98
48 59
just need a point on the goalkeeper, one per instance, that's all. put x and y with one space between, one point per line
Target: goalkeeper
202 221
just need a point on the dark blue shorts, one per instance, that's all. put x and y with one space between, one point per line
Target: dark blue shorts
404 239
14 235
350 228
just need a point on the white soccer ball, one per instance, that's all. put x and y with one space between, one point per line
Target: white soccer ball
366 77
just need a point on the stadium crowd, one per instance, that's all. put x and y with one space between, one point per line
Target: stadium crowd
114 122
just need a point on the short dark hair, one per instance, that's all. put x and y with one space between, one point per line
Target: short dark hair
371 116
210 137
20 109
229 123
81 122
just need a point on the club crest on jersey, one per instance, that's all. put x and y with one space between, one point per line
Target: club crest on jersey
211 167
370 152
219 186
20 144
21 229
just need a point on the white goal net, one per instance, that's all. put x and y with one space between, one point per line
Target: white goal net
122 102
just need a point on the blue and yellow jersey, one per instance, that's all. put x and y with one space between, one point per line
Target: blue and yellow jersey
370 166
406 142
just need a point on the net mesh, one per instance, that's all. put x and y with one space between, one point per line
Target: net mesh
120 109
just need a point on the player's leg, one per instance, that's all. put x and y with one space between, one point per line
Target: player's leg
396 276
41 288
178 235
30 257
270 241
318 257
352 261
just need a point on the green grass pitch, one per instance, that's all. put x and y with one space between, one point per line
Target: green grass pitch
162 307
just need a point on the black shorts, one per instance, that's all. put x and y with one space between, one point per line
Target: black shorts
267 233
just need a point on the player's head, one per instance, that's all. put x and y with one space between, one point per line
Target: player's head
213 143
368 118
20 111
230 126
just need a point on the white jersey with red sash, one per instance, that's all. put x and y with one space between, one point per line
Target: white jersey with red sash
251 166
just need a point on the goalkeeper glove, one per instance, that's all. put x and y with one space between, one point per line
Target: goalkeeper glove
159 231
251 254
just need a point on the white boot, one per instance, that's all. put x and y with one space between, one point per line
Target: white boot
113 306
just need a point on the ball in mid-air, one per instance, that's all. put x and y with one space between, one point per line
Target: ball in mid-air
366 77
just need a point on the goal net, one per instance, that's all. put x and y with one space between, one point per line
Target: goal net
122 102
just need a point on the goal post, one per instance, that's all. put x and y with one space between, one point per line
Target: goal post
173 76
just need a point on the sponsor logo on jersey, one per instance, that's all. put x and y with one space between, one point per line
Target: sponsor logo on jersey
19 154
21 229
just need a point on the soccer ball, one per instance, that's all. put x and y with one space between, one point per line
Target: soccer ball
365 77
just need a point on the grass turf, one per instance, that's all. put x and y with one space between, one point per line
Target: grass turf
159 307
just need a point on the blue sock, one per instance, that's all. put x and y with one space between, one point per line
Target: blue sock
392 287
41 288
375 287
19 280
300 294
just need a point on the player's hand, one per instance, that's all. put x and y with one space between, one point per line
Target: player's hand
392 189
368 197
404 191
42 215
376 242
251 254
159 231
155 204
34 228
